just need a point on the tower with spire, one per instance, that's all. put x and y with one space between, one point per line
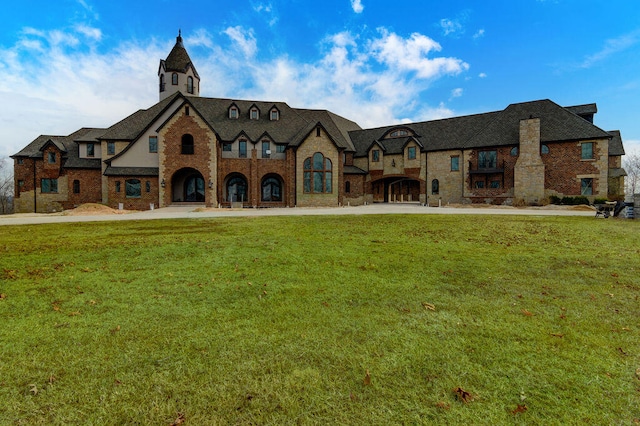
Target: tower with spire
177 73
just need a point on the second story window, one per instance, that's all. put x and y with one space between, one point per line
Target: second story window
587 151
266 149
274 115
455 164
162 82
153 144
254 115
51 157
226 146
242 149
174 78
233 113
111 148
411 153
187 144
487 159
375 155
91 150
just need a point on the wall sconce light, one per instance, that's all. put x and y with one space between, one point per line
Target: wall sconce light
210 184
162 184
393 163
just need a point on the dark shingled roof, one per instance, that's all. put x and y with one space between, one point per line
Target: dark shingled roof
67 145
134 125
615 144
586 109
498 128
178 59
353 170
132 171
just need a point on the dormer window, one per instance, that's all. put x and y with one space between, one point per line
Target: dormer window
233 113
51 157
275 115
174 79
91 150
398 133
411 153
254 114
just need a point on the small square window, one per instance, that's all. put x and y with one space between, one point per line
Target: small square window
274 115
49 185
20 160
254 114
479 184
233 113
494 184
280 148
226 146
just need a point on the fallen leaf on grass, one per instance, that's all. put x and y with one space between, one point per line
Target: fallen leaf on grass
52 379
443 405
519 409
527 313
325 304
463 395
74 313
34 389
179 420
557 334
353 397
622 351
3 296
115 330
428 306
638 373
367 379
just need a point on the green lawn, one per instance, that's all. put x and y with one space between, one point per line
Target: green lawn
276 320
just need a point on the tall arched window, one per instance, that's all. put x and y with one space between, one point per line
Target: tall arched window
271 189
237 189
187 144
190 84
317 174
435 187
162 82
347 187
174 78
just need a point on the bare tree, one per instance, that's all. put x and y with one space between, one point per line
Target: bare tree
631 164
6 186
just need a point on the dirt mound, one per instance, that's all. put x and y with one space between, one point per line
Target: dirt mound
93 209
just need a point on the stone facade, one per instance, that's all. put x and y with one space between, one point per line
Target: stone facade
318 141
529 173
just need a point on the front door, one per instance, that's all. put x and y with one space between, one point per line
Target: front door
194 189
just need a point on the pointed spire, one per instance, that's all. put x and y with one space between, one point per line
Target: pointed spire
179 38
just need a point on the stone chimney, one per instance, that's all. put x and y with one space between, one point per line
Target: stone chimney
529 168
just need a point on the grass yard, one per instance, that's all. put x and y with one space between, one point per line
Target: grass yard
277 320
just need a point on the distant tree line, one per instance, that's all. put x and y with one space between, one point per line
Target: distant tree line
6 186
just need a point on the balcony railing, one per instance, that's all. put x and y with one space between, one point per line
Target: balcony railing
486 170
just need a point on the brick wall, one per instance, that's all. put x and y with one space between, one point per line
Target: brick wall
90 187
355 196
120 197
203 159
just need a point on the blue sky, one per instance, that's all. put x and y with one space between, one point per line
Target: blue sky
76 63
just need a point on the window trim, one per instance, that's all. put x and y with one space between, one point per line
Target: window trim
52 185
582 151
586 189
111 148
310 172
375 155
254 113
484 160
234 113
409 153
174 79
93 149
266 153
190 85
129 183
51 157
242 153
274 115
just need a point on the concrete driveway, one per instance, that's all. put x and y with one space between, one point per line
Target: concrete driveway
194 212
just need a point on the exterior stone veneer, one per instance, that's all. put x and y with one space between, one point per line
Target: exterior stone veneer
171 159
529 176
310 146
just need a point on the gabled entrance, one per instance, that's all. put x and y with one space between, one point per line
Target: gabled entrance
187 185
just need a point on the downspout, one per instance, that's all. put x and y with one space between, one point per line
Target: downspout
35 194
463 180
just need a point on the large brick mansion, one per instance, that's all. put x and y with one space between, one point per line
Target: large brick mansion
226 152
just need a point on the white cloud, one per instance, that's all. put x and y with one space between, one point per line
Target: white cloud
55 82
357 6
478 34
482 75
611 47
450 26
245 40
456 93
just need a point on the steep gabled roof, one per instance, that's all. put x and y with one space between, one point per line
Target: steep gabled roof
131 127
337 126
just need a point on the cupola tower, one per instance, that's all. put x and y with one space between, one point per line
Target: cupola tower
177 73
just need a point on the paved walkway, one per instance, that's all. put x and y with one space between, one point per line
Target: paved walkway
193 212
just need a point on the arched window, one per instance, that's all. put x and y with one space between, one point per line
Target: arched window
271 189
317 174
174 78
347 187
187 144
132 188
435 187
162 82
237 189
190 84
544 149
514 151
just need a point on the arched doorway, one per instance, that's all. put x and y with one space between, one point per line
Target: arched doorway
398 189
271 189
187 185
236 188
